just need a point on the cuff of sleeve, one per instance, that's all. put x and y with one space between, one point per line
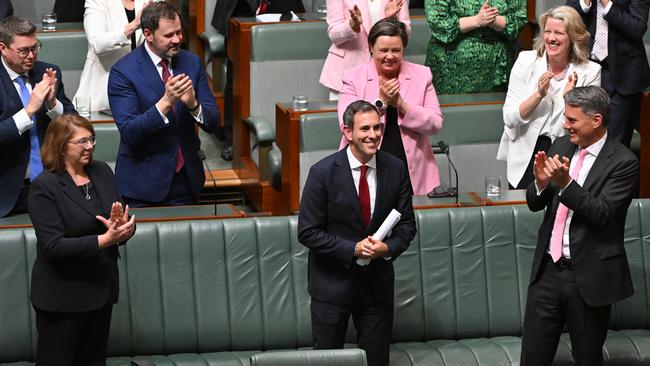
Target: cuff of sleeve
22 120
165 119
584 6
56 111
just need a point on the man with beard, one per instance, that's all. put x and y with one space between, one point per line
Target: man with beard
157 94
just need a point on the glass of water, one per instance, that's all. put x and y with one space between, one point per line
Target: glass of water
493 186
300 103
49 21
82 105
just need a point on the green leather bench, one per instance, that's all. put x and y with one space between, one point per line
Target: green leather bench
219 291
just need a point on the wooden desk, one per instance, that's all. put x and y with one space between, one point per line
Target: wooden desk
507 197
468 199
287 137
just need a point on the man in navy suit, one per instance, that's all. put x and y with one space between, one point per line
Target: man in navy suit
158 93
31 94
6 9
616 43
585 185
346 198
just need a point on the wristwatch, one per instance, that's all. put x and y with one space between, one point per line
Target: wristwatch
380 104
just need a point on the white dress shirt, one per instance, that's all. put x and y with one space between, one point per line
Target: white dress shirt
590 158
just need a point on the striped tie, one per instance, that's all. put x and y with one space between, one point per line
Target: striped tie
599 50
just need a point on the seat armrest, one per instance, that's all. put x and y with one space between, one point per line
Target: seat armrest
275 168
215 42
330 357
262 127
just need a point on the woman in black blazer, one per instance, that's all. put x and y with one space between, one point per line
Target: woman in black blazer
79 221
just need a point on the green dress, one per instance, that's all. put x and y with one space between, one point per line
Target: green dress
476 61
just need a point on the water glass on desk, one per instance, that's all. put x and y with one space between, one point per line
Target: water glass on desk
49 21
82 105
300 103
493 186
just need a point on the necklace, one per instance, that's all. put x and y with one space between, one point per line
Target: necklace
561 75
86 189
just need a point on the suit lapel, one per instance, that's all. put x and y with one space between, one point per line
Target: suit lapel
102 189
344 174
404 81
12 93
72 191
602 160
149 72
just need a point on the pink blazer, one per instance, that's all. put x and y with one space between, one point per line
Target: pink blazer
350 49
424 117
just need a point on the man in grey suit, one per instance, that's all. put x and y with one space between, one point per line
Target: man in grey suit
580 268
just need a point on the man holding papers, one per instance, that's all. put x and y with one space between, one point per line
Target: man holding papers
347 197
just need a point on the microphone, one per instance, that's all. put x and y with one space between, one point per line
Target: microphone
203 158
442 191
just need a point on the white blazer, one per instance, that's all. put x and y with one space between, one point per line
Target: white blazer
104 22
519 135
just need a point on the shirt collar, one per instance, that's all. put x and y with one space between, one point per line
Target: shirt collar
154 58
355 164
12 74
594 149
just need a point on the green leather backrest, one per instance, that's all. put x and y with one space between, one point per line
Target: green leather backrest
309 41
469 124
240 284
64 49
108 141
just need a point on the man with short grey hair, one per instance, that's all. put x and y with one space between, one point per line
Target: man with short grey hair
31 94
585 184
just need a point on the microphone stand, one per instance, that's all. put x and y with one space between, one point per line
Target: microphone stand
441 191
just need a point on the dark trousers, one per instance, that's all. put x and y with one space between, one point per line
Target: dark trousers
626 111
553 301
373 321
21 202
72 338
543 144
179 194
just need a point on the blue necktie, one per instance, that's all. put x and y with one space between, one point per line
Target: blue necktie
35 164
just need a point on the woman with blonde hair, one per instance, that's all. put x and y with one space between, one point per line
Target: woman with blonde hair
533 111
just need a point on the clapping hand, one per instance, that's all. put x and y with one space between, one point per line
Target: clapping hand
571 82
547 169
487 15
119 227
543 83
355 19
392 7
389 91
51 95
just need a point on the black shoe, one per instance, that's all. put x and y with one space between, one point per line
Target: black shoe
226 154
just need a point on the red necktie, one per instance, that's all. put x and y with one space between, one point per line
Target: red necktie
364 196
563 212
264 5
166 75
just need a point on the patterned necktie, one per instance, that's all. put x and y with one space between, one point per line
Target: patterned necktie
600 40
562 212
166 75
35 163
364 196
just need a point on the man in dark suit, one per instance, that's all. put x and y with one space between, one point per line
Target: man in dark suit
31 94
580 267
616 43
158 94
346 198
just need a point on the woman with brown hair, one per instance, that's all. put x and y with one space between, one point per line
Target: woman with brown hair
79 221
